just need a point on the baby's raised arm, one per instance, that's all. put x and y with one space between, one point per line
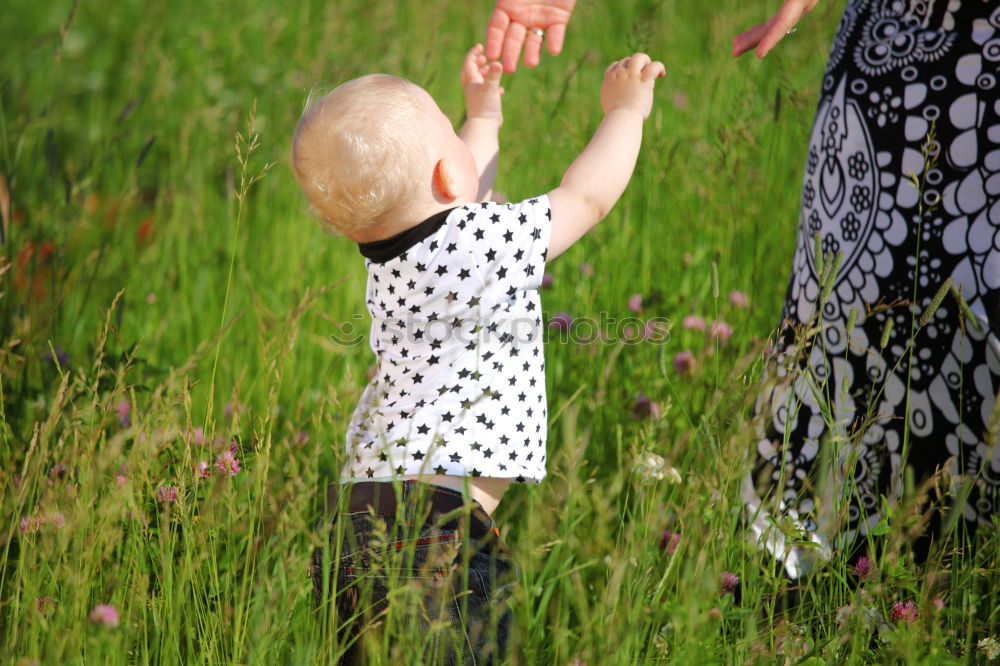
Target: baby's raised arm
598 176
481 82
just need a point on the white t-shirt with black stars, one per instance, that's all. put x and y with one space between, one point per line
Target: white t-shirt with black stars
457 329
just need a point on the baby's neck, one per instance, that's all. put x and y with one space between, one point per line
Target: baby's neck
413 217
485 490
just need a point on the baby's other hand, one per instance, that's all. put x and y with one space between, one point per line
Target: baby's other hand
481 81
628 84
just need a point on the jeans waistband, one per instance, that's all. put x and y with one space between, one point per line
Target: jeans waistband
381 497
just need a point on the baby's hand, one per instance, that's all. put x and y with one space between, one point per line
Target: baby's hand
482 86
628 84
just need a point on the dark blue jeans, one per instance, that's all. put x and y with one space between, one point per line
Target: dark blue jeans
416 561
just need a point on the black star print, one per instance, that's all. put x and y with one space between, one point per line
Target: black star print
432 360
411 284
501 273
423 429
452 296
433 246
491 255
454 457
495 218
509 236
428 291
421 267
441 270
451 248
474 301
463 274
536 234
522 218
440 470
396 273
519 254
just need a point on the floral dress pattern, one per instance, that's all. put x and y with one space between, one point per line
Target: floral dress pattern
902 179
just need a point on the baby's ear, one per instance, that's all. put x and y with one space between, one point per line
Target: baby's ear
444 180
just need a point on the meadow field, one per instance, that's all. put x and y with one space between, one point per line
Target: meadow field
175 379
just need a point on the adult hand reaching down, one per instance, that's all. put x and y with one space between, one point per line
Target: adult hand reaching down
527 23
765 36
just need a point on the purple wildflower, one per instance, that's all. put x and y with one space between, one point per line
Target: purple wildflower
669 541
124 410
863 569
721 330
547 280
635 303
739 299
58 358
105 614
561 321
202 470
728 582
684 362
166 494
694 323
227 464
644 407
586 269
904 611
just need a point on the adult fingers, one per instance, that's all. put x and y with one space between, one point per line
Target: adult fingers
495 32
784 21
749 39
554 36
532 49
512 46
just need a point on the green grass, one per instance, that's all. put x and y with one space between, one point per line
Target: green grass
134 249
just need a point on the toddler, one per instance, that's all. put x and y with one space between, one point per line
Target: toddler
455 409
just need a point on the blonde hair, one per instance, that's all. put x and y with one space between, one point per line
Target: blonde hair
359 153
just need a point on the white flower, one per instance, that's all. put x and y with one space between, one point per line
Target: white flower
652 467
991 646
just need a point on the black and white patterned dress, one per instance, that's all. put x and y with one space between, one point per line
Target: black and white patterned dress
901 73
456 328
